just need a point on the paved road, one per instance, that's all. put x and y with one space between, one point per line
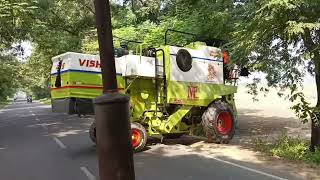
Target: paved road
36 144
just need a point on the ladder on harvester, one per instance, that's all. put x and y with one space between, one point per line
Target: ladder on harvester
160 82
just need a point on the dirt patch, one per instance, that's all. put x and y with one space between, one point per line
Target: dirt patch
270 117
260 124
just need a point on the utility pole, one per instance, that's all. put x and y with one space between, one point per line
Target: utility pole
114 147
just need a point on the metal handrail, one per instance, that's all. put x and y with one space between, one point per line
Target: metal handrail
176 31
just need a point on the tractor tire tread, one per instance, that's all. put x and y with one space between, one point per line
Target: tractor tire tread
92 132
209 122
143 131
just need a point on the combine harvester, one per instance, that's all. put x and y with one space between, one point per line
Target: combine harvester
173 90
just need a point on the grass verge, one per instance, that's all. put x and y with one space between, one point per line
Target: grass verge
3 103
46 101
289 148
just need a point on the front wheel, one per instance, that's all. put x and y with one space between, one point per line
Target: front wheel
92 132
218 122
138 136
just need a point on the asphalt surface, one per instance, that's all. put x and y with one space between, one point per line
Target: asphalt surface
36 144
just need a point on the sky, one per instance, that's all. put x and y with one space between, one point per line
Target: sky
27 46
308 79
118 1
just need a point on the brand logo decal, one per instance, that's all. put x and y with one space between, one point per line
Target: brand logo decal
89 63
193 92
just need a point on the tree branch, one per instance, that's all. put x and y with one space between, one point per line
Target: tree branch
62 28
89 8
308 42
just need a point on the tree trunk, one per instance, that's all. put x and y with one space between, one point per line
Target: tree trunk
315 128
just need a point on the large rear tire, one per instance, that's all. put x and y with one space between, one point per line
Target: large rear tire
218 122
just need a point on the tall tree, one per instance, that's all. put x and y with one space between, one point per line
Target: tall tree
282 39
57 26
14 20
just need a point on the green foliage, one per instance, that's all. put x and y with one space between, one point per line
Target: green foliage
55 27
145 9
289 148
40 92
14 20
45 101
303 109
313 157
90 43
36 82
9 81
15 23
3 103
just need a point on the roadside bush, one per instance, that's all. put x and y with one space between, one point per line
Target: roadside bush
40 92
289 148
313 157
3 103
46 101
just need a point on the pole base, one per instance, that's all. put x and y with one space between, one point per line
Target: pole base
113 137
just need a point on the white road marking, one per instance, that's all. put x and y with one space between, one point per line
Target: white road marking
61 145
37 119
242 167
249 169
33 114
87 173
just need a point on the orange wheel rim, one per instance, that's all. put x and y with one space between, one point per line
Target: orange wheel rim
136 137
225 123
